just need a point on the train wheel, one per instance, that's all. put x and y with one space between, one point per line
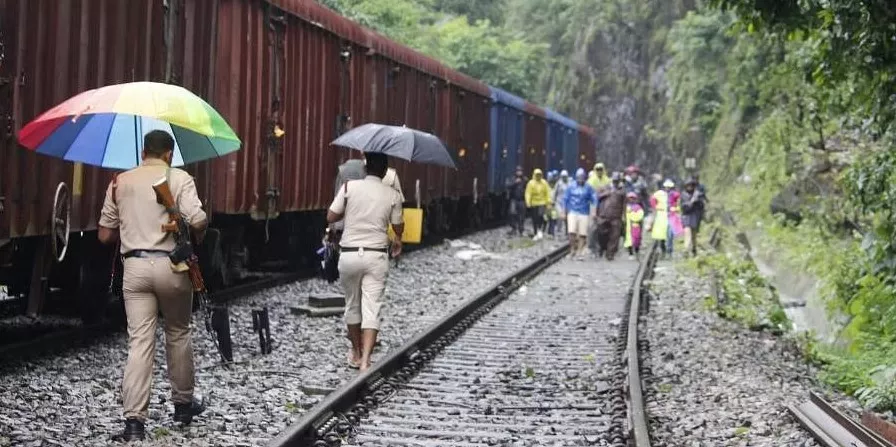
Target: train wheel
94 278
212 261
61 221
235 254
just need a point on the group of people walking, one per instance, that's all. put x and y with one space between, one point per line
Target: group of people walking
598 209
595 210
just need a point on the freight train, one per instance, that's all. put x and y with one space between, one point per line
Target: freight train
293 66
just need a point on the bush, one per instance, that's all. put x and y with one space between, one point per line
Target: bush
745 296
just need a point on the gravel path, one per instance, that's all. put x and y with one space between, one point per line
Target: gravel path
715 383
74 399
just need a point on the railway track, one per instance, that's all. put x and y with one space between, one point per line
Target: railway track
832 428
553 364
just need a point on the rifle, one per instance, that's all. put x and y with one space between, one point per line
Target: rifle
183 258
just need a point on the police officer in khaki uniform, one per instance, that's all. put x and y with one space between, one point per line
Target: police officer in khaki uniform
368 207
132 216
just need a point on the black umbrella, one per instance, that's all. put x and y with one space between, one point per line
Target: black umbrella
400 142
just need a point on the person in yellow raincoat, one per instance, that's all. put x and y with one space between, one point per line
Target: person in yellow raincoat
663 202
598 177
634 217
538 198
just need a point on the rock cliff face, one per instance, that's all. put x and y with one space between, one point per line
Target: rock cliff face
613 77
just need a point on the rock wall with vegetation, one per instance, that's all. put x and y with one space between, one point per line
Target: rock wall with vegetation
793 105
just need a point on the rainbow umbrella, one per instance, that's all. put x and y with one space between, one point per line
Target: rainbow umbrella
105 126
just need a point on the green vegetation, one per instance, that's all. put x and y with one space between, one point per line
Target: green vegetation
160 432
743 295
467 35
788 106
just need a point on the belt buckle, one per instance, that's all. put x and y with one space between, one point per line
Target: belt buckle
360 251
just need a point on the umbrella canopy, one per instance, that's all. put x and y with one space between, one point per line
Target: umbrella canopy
400 142
105 126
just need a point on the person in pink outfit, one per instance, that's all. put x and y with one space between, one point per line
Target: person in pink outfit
634 216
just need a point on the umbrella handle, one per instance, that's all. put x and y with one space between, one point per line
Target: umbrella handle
417 192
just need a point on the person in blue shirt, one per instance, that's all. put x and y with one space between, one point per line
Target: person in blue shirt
579 201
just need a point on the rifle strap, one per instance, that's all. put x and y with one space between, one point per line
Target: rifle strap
115 189
168 180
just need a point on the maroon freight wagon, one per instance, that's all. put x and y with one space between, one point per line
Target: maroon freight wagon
49 51
268 66
587 148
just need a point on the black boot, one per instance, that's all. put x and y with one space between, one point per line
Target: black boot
133 431
184 413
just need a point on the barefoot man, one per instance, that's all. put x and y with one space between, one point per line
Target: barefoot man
368 207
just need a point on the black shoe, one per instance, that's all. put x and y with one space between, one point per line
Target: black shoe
133 431
184 413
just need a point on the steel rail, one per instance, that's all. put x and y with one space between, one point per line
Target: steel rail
319 426
831 428
637 417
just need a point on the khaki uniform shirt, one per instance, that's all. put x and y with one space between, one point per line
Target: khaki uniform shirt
369 207
391 179
136 213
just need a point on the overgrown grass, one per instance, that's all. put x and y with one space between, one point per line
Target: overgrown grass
862 360
744 295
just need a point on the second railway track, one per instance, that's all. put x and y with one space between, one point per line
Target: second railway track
539 359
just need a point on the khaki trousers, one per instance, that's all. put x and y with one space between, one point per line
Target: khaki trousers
363 276
149 285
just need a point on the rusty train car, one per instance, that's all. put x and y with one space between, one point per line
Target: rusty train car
293 65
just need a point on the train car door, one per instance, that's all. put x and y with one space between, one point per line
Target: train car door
269 175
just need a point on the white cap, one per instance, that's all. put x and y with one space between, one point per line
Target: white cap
563 173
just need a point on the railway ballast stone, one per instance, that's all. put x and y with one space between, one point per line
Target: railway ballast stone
713 382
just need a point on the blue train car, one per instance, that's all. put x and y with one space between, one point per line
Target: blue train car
563 142
570 145
554 140
507 126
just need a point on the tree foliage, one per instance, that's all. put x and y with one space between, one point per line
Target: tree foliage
466 35
496 56
852 41
474 10
790 103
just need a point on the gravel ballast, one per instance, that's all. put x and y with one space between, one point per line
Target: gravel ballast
74 398
715 383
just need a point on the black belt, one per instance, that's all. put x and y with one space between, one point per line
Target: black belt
146 254
351 249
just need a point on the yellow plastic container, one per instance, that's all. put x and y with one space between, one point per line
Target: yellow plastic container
413 226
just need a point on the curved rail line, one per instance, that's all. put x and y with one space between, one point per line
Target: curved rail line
331 420
637 417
